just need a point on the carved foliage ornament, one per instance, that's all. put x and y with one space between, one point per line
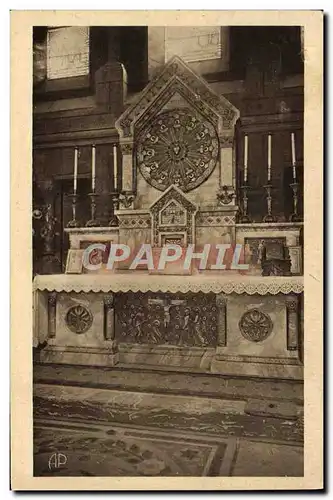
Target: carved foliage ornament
225 195
79 319
255 325
179 148
190 85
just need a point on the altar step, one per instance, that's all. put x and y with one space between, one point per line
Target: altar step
279 399
230 409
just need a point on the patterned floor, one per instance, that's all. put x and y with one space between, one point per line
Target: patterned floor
101 450
82 431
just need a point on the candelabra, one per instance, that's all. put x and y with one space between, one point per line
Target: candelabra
115 206
244 218
73 222
269 217
93 222
294 216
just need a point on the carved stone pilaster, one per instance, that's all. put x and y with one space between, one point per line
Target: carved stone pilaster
109 332
292 323
52 307
221 303
128 182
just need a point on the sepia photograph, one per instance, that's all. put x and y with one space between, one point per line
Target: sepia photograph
167 250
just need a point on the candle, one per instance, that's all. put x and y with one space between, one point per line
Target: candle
269 157
245 157
115 167
76 156
93 168
293 155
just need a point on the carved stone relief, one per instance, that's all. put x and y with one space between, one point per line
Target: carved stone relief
172 319
79 319
177 77
255 325
178 148
173 214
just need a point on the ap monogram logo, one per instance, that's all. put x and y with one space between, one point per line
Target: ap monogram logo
57 460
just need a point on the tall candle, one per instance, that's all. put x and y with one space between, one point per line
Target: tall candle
93 168
269 157
245 157
115 167
293 154
76 156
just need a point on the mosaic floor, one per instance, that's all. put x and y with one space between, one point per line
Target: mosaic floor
103 450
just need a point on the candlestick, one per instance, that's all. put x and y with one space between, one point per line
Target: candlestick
294 216
93 222
76 156
115 206
115 166
244 218
269 157
293 155
245 157
93 168
73 222
269 217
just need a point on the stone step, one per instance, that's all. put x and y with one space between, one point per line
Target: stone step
141 379
215 416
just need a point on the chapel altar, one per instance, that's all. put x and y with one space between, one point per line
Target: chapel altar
180 186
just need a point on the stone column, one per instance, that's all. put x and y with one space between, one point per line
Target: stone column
52 307
226 194
221 303
109 333
128 181
292 323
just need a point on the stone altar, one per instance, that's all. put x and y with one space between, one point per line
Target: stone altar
179 187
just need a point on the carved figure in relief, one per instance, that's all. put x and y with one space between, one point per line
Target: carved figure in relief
198 336
154 319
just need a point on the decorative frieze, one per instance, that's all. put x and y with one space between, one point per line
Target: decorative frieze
134 221
216 219
249 285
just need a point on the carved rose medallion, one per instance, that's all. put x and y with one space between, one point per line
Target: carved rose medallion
255 325
179 148
79 319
